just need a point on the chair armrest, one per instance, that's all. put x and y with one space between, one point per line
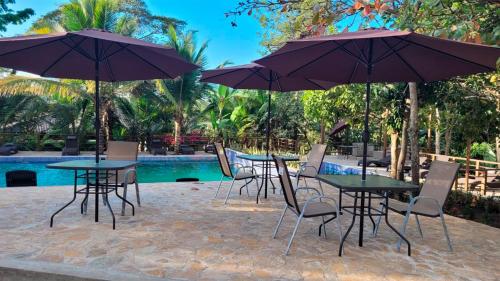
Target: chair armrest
242 167
414 200
127 175
304 167
320 198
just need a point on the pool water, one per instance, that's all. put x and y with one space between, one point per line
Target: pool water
147 172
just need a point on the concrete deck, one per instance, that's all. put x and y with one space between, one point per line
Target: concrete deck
182 233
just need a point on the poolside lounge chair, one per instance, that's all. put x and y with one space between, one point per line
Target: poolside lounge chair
312 208
383 162
311 168
126 151
430 201
242 172
491 180
71 146
186 149
8 149
19 178
157 147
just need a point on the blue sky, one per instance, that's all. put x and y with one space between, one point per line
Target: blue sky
239 45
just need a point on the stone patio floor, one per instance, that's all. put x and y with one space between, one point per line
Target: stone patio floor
182 233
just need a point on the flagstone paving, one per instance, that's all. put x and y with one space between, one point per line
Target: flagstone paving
182 233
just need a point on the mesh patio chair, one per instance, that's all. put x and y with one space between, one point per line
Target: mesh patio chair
242 172
430 201
312 208
71 146
311 168
125 151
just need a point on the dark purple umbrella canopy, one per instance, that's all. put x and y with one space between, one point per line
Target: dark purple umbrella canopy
255 76
380 55
92 55
73 55
396 56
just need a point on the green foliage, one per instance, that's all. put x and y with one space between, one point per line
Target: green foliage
482 151
8 16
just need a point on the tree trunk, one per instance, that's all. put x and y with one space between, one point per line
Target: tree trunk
394 154
104 133
429 133
467 164
403 149
177 132
413 134
447 140
384 141
322 132
437 132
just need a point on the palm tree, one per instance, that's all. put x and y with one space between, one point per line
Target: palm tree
182 91
126 17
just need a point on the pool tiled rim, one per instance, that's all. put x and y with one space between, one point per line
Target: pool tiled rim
326 168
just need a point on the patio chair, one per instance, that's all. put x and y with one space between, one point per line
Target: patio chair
430 201
186 149
311 168
383 162
157 147
242 172
71 146
8 149
491 181
125 151
18 178
312 208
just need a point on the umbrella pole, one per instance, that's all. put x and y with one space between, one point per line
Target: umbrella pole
268 131
366 133
97 128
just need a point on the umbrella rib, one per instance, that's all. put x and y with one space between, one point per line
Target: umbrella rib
246 78
31 47
60 58
448 54
339 46
316 84
390 51
108 64
115 52
352 72
79 50
147 62
278 81
217 75
360 51
404 61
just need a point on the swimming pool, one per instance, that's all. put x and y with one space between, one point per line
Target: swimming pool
147 171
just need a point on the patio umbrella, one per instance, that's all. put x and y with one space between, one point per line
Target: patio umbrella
255 76
92 55
380 55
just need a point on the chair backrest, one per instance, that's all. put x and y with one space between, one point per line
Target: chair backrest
223 161
20 178
439 180
71 141
123 150
316 156
156 143
286 183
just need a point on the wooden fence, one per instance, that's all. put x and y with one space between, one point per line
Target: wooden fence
479 170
